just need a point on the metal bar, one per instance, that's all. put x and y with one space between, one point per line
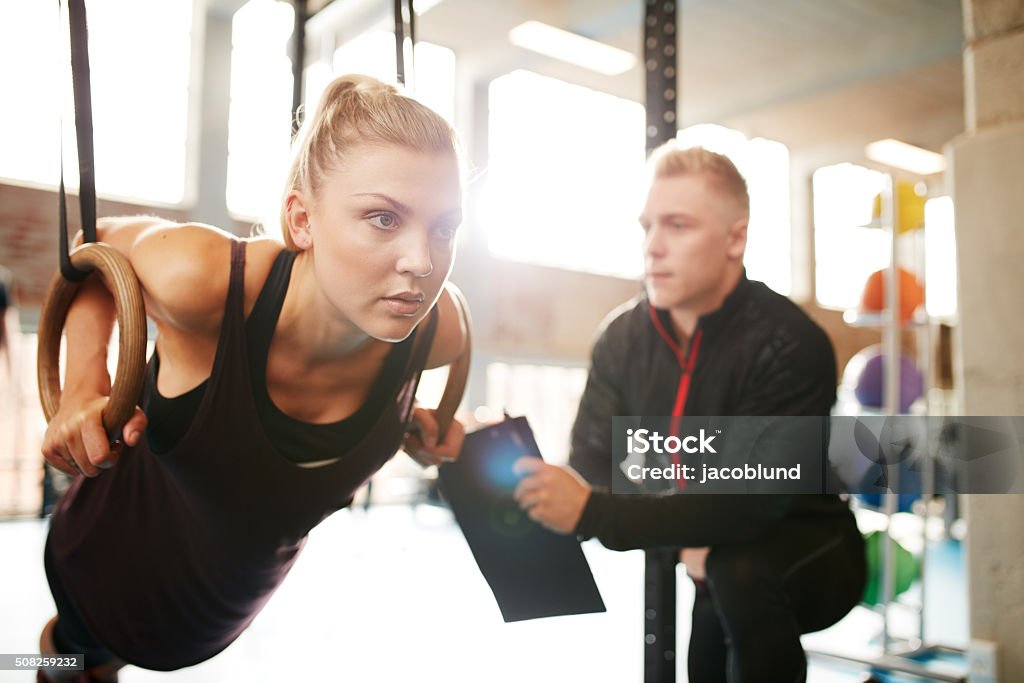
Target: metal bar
660 616
660 56
412 42
399 41
887 663
412 22
893 320
298 61
891 381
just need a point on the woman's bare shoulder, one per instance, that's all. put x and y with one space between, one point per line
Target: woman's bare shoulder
185 272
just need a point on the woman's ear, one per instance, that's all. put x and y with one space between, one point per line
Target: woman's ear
297 216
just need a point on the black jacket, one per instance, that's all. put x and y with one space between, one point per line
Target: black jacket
759 354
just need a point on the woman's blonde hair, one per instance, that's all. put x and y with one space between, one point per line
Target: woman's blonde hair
669 160
354 110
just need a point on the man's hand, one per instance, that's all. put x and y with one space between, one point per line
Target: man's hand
422 444
553 496
694 559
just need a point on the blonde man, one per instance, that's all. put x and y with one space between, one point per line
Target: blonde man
706 341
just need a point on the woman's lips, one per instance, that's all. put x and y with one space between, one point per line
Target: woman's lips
404 304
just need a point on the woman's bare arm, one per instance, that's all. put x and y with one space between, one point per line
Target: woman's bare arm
182 269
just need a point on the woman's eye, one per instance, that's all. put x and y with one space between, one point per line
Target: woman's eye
384 221
445 233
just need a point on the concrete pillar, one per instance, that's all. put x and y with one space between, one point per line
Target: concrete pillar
211 203
986 166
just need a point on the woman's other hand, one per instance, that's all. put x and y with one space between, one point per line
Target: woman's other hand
75 441
422 444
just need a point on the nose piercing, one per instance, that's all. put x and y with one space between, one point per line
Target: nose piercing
429 271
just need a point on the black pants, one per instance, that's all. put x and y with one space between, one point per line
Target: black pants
759 596
70 635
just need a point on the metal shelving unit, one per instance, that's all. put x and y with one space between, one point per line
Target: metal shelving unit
901 656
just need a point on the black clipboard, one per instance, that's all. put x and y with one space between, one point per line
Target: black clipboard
532 572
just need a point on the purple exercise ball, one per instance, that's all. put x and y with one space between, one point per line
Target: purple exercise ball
870 389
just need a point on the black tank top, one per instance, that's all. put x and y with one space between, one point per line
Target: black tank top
170 418
168 557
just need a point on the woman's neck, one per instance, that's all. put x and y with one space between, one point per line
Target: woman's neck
310 325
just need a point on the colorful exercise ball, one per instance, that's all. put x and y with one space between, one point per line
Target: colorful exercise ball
907 568
911 293
910 200
870 387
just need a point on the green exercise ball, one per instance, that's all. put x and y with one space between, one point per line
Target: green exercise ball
907 568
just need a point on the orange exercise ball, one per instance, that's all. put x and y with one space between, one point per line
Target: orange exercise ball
911 293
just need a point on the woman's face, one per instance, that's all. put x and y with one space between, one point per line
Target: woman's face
382 229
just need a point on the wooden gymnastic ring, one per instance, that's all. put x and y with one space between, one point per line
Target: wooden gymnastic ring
119 277
458 371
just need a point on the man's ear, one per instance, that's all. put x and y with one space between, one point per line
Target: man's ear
737 238
297 219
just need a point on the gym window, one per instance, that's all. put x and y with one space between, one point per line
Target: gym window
261 89
765 166
373 54
548 395
940 271
140 65
846 251
260 111
581 209
564 184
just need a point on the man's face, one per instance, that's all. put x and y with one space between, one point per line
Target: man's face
693 232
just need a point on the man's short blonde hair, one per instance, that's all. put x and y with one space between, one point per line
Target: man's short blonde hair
670 160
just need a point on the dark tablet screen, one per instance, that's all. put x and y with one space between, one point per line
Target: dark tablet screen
532 572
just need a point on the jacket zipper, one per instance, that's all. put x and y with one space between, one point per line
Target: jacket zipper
687 360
